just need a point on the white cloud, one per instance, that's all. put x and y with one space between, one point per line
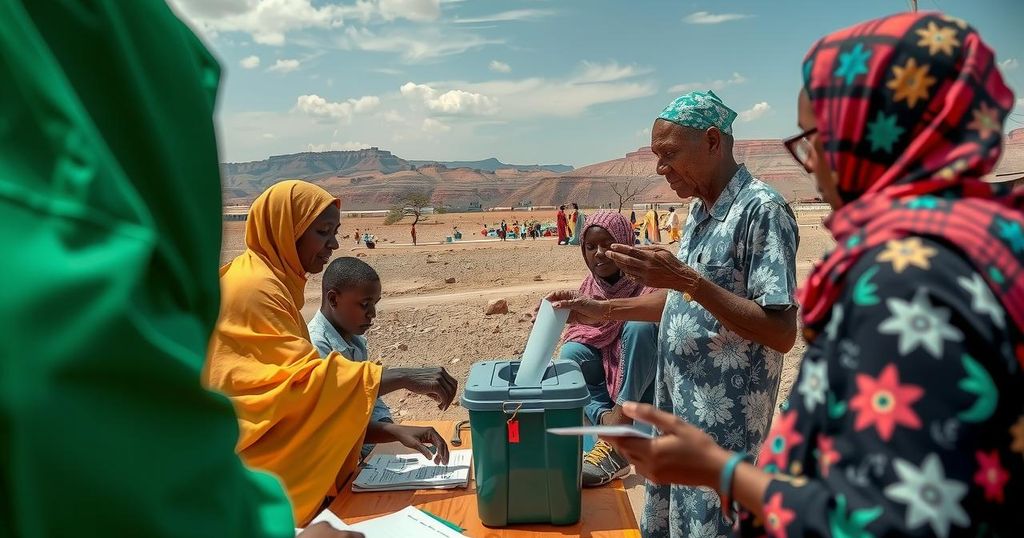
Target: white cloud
337 146
386 71
499 67
317 106
453 102
392 116
560 97
1009 64
755 112
708 85
413 10
414 47
269 21
433 126
609 72
250 62
269 136
704 17
284 66
644 133
511 15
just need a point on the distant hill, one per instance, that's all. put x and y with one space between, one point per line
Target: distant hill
376 179
493 165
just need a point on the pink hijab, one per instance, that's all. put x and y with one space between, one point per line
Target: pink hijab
607 337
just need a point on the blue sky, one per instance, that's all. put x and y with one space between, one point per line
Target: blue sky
527 81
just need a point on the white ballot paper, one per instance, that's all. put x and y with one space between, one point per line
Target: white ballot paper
409 521
387 472
606 431
541 344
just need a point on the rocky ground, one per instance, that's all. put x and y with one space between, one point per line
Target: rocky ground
425 321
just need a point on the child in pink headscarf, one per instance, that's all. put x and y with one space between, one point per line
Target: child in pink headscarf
618 358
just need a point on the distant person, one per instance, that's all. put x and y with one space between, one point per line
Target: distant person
536 230
652 235
727 305
413 232
579 220
503 229
674 225
358 237
515 229
632 218
104 428
562 225
302 416
572 222
618 358
369 240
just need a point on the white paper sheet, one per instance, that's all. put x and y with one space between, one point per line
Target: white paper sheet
413 471
547 329
606 431
408 522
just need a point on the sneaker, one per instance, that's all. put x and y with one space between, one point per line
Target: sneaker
602 465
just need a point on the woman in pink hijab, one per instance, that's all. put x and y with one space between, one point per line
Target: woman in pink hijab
618 358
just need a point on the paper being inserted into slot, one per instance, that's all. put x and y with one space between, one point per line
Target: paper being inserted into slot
547 329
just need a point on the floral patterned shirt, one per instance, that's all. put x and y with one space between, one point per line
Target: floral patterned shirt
908 414
708 375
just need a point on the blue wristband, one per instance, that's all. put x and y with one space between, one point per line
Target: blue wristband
725 481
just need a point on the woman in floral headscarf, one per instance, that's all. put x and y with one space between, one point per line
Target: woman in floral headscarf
908 415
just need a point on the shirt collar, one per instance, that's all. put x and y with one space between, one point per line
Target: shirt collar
334 338
724 202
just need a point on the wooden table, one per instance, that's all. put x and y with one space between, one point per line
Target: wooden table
605 511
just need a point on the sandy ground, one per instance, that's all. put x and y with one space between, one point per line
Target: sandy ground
444 325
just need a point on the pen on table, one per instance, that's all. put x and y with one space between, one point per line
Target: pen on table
443 521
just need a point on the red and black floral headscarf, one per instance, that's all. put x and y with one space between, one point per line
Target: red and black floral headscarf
910 111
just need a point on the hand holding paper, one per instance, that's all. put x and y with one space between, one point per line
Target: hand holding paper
541 344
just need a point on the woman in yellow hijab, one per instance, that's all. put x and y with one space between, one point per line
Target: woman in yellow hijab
301 416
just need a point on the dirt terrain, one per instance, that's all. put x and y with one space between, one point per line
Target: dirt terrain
444 324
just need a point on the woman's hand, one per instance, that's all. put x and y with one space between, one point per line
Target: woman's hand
654 266
682 454
434 382
583 310
418 437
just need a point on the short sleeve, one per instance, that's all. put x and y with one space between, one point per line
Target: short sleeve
771 255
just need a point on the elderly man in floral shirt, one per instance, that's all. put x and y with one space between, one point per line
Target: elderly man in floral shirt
727 307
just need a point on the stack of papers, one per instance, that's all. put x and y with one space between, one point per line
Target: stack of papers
409 521
389 472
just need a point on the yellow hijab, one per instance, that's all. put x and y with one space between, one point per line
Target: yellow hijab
301 417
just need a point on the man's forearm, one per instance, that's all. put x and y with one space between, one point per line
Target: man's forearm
647 307
775 329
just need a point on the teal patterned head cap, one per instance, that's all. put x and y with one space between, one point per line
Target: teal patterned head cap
700 110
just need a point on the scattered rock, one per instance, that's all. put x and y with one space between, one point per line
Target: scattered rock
449 280
527 315
537 278
361 255
496 306
428 329
496 330
403 413
455 361
431 259
401 400
401 347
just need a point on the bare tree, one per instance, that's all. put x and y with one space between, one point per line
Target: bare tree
411 205
629 190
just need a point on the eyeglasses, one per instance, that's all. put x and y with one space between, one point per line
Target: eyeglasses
801 149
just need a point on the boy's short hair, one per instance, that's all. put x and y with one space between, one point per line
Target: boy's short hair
347 272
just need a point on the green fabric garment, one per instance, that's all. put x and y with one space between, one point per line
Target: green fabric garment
110 230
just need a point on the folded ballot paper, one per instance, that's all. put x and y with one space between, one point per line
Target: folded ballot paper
389 472
547 329
408 522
